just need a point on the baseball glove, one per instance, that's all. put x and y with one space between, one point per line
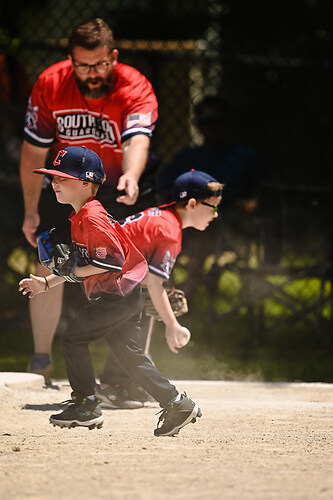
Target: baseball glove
57 257
177 301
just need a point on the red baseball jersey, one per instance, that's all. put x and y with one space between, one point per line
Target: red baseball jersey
100 241
157 233
58 115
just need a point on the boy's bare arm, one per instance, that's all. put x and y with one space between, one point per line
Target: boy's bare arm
89 270
35 284
176 335
159 298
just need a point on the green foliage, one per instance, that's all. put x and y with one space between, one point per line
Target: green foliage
224 349
7 42
21 262
180 275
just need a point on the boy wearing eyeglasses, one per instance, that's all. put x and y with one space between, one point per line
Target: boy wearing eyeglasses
157 233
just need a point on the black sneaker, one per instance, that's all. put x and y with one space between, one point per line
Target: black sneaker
176 415
138 393
42 365
116 398
83 413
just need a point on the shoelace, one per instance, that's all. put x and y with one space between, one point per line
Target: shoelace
164 411
162 416
69 402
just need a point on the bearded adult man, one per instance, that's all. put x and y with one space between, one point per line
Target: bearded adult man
87 100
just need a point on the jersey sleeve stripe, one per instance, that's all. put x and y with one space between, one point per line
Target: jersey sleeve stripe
37 138
135 131
103 265
158 272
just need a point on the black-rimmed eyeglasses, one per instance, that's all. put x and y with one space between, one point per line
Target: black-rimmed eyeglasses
100 67
215 207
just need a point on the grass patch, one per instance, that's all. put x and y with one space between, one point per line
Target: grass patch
246 344
194 362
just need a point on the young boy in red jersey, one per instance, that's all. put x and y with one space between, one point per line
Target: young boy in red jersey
111 269
157 233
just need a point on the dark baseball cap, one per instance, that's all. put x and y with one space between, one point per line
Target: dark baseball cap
193 184
76 162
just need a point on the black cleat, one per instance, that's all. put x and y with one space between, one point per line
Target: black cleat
138 393
176 415
79 413
116 398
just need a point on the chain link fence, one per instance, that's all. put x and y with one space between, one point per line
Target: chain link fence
252 280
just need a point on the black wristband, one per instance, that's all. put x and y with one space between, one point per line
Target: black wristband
47 286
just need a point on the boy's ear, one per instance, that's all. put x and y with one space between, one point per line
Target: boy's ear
191 204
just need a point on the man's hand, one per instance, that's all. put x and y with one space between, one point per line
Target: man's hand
135 156
130 186
29 227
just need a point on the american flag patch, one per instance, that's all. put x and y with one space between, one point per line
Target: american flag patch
139 119
101 253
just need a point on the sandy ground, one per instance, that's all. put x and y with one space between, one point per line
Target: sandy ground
254 441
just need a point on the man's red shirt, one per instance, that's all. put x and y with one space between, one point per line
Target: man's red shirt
58 115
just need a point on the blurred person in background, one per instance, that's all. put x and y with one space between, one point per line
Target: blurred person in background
14 92
239 167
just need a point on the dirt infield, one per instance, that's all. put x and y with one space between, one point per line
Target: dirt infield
254 441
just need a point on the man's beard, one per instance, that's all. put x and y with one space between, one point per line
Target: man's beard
101 91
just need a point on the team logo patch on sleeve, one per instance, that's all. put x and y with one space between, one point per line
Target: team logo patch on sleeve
154 212
168 262
101 253
31 115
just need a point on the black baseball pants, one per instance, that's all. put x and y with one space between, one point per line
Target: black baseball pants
117 319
